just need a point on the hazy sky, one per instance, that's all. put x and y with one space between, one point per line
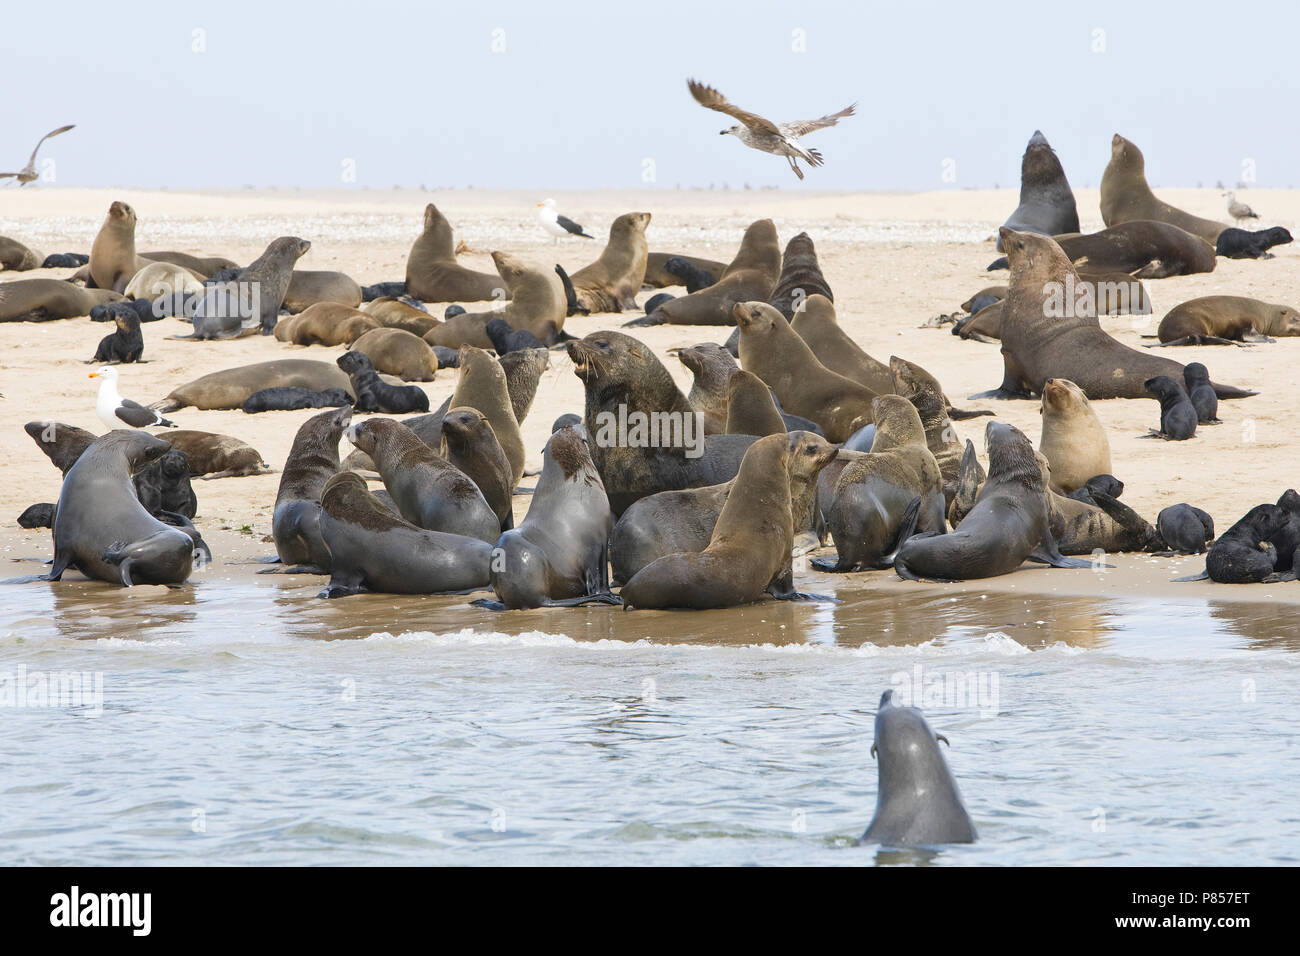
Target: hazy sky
583 94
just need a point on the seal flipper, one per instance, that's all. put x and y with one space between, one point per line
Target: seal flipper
1048 553
1231 391
572 306
906 529
1012 385
960 414
1144 536
342 585
62 560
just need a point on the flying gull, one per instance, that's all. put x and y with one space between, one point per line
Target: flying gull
759 133
557 225
115 411
28 172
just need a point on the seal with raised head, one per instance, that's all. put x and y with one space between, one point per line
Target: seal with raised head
625 382
432 273
537 305
313 460
113 260
231 387
372 549
698 274
917 800
1073 439
1226 320
124 344
801 277
523 368
775 353
373 394
1046 200
37 300
252 301
749 555
815 323
428 490
1038 345
102 529
665 523
1125 195
711 367
752 275
1008 524
750 408
469 443
610 284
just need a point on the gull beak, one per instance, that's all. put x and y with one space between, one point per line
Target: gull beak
93 375
723 133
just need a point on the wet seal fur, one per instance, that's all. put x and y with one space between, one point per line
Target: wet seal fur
313 460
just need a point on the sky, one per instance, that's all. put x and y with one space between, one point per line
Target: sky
586 95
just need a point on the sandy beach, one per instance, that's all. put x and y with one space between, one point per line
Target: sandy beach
894 261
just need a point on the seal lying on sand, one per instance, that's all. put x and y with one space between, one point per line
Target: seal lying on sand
231 387
917 800
1226 320
661 271
1143 249
217 456
38 300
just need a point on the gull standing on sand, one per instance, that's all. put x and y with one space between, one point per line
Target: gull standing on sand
1239 210
557 225
115 411
28 173
762 134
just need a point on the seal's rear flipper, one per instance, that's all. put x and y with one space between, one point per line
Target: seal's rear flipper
488 604
643 322
906 529
830 565
570 296
606 597
1048 553
1231 391
1203 576
166 405
960 414
997 264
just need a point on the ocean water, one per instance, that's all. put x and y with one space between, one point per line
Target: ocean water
250 723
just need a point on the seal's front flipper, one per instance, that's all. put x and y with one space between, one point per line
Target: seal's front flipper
906 529
1203 576
488 605
608 597
1278 576
1048 553
961 414
642 322
830 565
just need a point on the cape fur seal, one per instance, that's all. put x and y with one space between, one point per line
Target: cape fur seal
523 368
17 257
711 367
400 314
669 522
372 549
1046 200
1245 553
537 305
1141 248
926 395
217 456
610 284
752 275
399 353
291 399
374 394
308 287
231 387
559 554
432 273
1125 195
775 353
39 300
1237 243
162 279
1100 524
313 460
469 443
1185 529
102 529
750 552
124 344
1197 379
1178 416
1109 293
801 277
1038 344
1009 523
917 800
817 326
1225 319
113 260
325 323
1073 439
750 409
699 274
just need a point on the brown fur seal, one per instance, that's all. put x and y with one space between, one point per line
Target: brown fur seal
1141 248
752 275
432 274
113 260
1080 527
313 460
665 523
537 304
1113 293
875 494
481 385
38 300
372 549
524 368
631 401
817 326
399 353
1225 319
559 554
102 529
922 389
469 443
1125 195
750 409
396 314
801 277
750 553
62 444
217 456
1008 524
272 272
610 284
307 287
326 323
428 490
775 353
1037 345
14 255
231 387
711 366
1074 440
658 276
205 267
163 279
1046 200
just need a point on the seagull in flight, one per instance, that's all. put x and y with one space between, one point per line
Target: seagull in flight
28 173
557 225
115 411
759 133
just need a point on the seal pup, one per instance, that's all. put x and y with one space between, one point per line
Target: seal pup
1098 524
917 800
433 274
1046 200
1177 413
1125 195
381 290
469 443
691 271
801 277
1038 345
752 275
559 554
313 460
610 284
1287 538
1226 320
214 456
625 382
506 339
28 173
750 552
711 367
1239 244
115 411
1073 439
165 486
102 529
1201 393
230 388
897 485
1106 484
124 344
816 324
398 353
1185 529
1008 524
775 353
429 491
373 549
374 394
1244 554
39 300
286 399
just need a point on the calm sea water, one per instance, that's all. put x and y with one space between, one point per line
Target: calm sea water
252 724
